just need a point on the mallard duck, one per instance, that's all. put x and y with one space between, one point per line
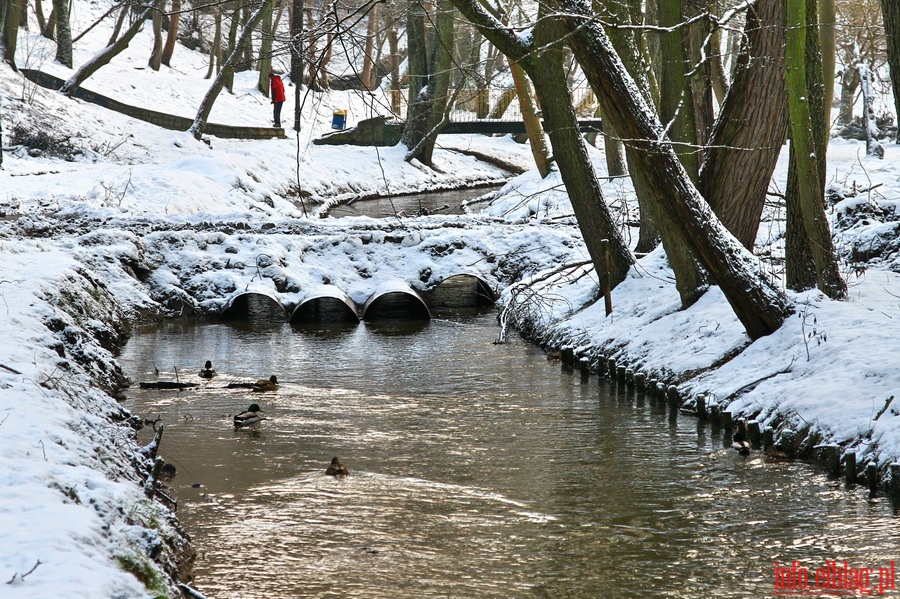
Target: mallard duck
265 385
249 416
774 454
335 468
740 442
208 371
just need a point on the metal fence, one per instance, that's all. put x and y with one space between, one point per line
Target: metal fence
493 103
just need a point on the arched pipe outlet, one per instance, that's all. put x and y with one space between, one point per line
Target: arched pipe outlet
253 305
326 305
460 291
395 300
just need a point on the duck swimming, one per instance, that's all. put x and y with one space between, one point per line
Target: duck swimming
265 385
249 416
208 371
335 468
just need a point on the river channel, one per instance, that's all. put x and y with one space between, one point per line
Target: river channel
477 470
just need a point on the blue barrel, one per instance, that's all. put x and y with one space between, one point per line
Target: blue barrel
339 119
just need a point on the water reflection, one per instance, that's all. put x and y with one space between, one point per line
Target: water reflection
477 470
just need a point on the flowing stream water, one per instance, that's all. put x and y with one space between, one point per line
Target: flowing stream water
477 470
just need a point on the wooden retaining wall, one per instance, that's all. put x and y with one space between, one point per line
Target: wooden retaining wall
160 119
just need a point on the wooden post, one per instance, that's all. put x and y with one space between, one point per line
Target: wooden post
601 366
672 395
715 415
872 478
850 468
620 374
661 390
651 387
640 381
727 420
754 433
701 407
768 437
611 367
604 276
788 438
629 376
895 481
832 459
567 356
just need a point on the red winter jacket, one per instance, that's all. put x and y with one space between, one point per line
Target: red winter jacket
277 89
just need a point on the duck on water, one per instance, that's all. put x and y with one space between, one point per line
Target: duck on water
270 384
251 415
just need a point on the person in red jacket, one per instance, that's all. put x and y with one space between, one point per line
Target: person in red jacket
276 93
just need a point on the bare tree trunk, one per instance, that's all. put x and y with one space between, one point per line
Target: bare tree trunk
751 126
215 52
265 49
209 99
536 139
104 56
297 58
697 52
890 10
810 155
849 87
156 54
676 108
63 32
233 29
10 32
172 33
368 51
873 148
39 15
627 44
325 58
828 49
116 30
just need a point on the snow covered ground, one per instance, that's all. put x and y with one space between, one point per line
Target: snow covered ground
110 196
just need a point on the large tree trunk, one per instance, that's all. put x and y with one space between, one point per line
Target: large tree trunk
10 34
891 12
809 156
536 139
369 50
233 29
676 108
849 86
698 53
215 51
172 33
758 303
628 45
107 54
39 15
156 54
544 67
63 32
394 49
297 58
428 114
751 127
209 99
265 49
828 51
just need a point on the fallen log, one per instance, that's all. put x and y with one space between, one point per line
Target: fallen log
168 385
